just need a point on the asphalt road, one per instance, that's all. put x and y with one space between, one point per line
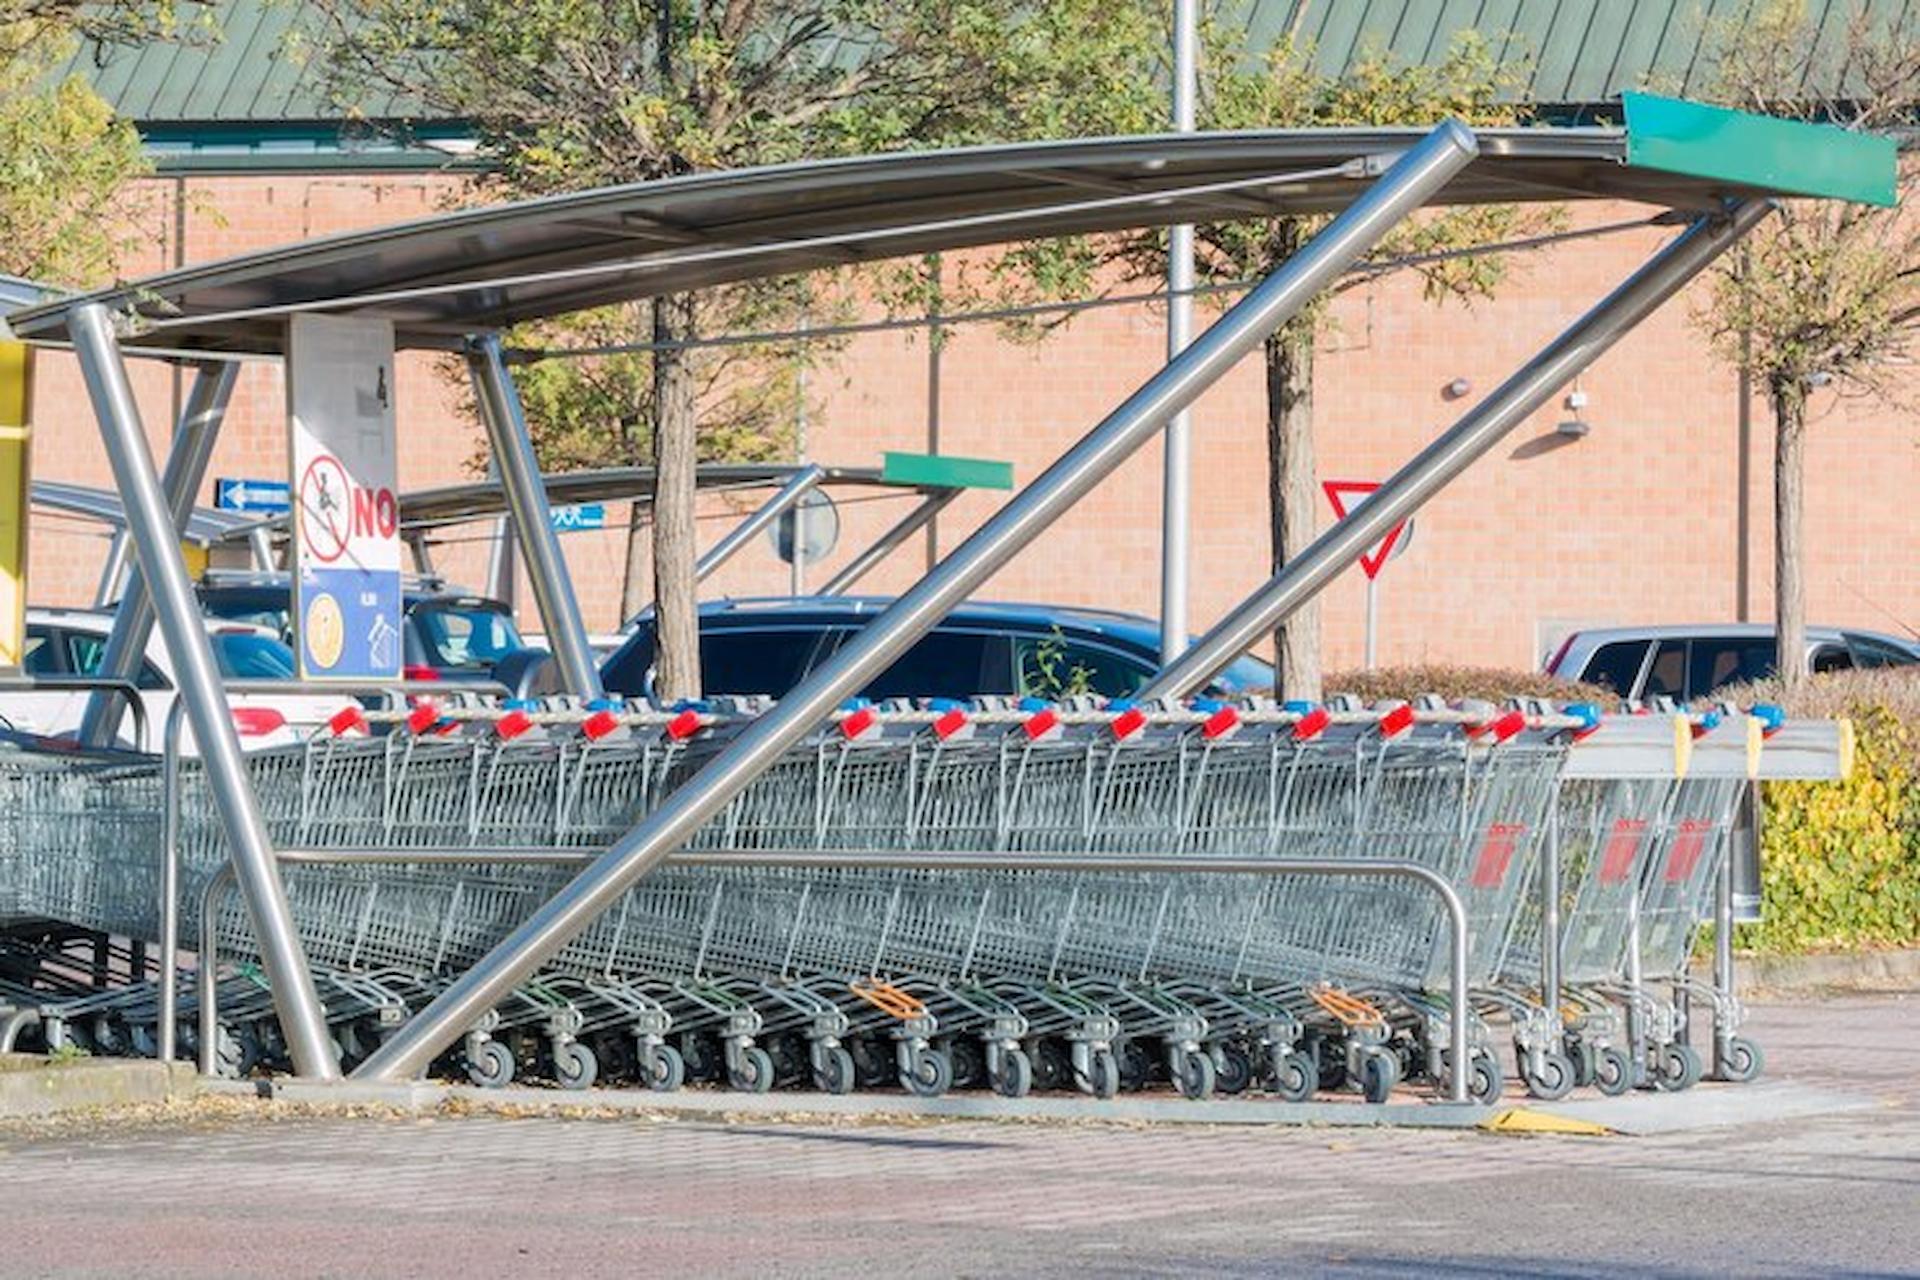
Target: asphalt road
251 1190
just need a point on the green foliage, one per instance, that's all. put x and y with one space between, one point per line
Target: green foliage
1840 861
65 162
1045 672
1826 290
566 94
1455 684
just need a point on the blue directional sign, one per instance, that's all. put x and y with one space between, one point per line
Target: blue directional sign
263 497
578 518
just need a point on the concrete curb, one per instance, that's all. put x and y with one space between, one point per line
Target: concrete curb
32 1085
1851 971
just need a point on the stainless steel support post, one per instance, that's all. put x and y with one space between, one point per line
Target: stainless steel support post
185 472
302 1019
260 544
883 546
113 572
798 486
506 425
1176 488
1417 176
1484 426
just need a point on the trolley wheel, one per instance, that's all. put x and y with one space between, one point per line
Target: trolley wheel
1330 1062
1014 1079
1135 1065
1676 1067
1553 1081
1612 1071
1103 1073
930 1073
1485 1079
1232 1068
792 1062
491 1065
1379 1072
1742 1063
248 1051
574 1066
1194 1075
872 1065
1298 1077
229 1060
754 1074
835 1072
663 1070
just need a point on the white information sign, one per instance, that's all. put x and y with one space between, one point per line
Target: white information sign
346 511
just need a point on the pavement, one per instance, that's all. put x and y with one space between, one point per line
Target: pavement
226 1186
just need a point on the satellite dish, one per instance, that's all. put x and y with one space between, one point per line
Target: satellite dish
818 522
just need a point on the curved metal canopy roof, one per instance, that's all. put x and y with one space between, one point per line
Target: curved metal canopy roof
443 277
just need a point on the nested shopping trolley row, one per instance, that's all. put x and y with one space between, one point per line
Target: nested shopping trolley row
1222 898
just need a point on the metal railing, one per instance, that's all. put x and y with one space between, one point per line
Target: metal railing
135 696
1459 1014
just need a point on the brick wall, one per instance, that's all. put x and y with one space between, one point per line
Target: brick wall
1634 523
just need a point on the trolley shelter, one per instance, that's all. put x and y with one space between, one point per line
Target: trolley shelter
454 282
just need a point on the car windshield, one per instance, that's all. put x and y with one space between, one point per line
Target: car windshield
1246 676
247 655
464 636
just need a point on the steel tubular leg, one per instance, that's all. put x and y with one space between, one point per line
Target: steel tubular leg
883 546
186 470
112 572
302 1018
1484 426
506 425
789 495
1415 178
168 1033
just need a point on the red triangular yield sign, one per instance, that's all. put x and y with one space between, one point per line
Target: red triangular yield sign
1338 492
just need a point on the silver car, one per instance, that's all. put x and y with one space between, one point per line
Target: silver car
1689 662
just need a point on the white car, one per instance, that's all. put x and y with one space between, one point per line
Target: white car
69 642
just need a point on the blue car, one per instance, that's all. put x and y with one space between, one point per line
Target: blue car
767 647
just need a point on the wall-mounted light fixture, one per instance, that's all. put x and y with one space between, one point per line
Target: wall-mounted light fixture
1574 425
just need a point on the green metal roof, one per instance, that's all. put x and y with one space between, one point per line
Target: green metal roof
1575 54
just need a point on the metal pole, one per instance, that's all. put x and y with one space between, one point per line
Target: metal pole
1177 469
787 497
526 497
1417 176
113 572
1723 955
302 1019
260 542
186 470
915 520
1373 618
1484 426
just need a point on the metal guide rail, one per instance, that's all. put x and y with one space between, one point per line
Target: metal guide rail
1222 895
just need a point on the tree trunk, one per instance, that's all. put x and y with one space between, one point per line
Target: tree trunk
1789 532
676 621
1290 494
633 582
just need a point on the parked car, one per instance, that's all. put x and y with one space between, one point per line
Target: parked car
449 634
70 642
1691 662
768 646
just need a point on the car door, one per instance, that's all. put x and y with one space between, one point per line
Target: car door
1616 666
31 711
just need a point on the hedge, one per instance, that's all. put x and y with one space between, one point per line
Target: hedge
1840 862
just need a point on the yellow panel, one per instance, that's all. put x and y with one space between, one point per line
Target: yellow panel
16 398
